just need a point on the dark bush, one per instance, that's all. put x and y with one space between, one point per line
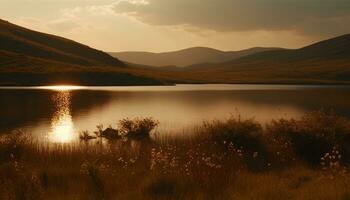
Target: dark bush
242 134
137 128
109 133
314 135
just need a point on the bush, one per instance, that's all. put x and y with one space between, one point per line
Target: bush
313 135
109 133
137 128
233 130
242 134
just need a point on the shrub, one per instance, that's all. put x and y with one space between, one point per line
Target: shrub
313 135
233 130
243 134
137 128
109 133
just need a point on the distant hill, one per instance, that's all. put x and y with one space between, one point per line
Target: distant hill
328 60
185 57
332 49
22 47
335 49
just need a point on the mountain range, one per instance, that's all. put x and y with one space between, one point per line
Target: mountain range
328 60
29 57
185 57
335 49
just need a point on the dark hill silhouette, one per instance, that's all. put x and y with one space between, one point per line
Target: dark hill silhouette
21 45
185 57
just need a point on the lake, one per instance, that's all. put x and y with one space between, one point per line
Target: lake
58 114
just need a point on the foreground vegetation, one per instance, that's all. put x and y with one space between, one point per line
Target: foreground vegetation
304 158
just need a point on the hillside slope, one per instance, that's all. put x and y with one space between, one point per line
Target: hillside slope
20 45
334 49
327 60
29 58
185 57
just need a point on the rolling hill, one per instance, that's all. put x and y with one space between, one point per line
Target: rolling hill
325 61
185 57
19 45
331 50
33 58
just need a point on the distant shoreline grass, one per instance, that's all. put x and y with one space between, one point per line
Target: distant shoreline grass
304 158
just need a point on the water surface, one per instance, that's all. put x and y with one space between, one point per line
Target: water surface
58 114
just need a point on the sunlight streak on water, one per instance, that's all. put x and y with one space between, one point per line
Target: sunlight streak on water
62 127
61 87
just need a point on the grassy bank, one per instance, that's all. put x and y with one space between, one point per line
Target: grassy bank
304 158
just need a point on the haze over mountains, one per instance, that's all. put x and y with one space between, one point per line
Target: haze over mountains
185 57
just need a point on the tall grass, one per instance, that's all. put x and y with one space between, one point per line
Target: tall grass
234 159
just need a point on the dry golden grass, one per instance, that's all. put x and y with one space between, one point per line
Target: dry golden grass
209 166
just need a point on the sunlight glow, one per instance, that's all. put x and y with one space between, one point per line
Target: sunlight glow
62 87
62 127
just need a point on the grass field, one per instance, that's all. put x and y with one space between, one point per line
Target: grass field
304 158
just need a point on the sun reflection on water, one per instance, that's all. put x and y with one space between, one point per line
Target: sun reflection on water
62 127
61 87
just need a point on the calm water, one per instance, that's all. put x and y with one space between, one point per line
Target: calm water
58 114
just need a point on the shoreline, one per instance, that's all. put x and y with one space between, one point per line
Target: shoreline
345 84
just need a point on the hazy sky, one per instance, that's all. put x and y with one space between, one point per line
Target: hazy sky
165 25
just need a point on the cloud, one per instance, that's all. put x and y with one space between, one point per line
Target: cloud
124 25
63 25
304 16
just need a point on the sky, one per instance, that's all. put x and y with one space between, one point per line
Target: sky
167 25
